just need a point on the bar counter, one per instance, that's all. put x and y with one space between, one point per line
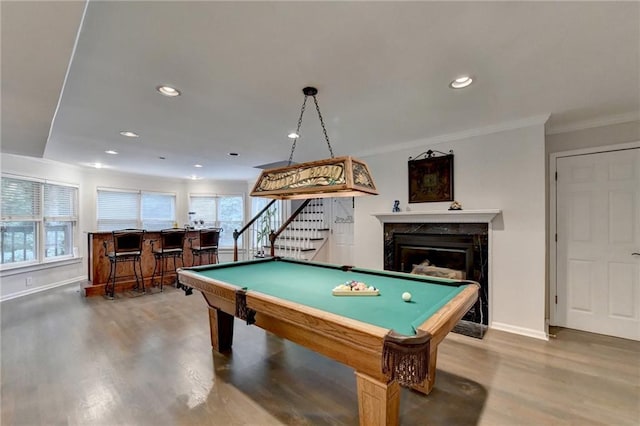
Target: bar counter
98 263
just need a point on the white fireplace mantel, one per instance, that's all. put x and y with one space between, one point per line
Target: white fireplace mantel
439 216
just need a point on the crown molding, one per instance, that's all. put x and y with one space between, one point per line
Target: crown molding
590 124
465 134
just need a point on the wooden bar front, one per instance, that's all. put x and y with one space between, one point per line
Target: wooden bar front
99 265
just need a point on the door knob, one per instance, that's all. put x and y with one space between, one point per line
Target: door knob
635 254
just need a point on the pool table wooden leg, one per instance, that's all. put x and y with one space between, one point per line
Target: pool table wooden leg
426 386
221 326
378 402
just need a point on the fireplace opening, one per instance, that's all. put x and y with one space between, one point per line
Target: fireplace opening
454 252
458 251
455 263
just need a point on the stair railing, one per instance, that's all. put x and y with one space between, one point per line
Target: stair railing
275 234
237 234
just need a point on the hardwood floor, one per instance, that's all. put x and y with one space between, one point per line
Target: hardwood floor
70 360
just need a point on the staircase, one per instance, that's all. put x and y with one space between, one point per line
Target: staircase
304 237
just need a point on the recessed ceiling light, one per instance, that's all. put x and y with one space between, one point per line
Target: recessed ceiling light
129 134
168 91
461 82
293 135
197 165
233 154
98 165
194 177
112 152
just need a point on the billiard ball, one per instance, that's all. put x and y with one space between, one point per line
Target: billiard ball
406 296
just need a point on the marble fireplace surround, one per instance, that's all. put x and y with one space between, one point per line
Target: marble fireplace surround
474 224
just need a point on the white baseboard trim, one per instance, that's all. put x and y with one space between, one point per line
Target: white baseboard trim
41 288
519 330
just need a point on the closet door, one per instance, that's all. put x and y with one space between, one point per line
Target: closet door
598 232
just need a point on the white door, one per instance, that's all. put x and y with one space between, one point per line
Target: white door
598 232
342 246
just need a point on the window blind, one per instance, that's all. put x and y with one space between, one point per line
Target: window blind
21 199
117 210
60 202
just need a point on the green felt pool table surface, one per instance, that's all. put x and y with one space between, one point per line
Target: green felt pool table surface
311 284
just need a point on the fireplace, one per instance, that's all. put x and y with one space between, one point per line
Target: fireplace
454 250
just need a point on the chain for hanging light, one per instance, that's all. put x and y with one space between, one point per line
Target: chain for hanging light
309 91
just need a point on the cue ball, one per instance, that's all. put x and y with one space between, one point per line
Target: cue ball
406 296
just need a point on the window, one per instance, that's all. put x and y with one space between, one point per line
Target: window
119 209
224 211
38 220
59 217
158 210
203 210
19 242
230 218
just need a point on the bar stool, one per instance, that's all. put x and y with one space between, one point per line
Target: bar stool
171 247
208 239
127 247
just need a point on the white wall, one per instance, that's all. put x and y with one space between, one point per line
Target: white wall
505 171
13 282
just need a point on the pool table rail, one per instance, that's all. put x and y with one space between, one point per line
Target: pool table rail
442 322
346 340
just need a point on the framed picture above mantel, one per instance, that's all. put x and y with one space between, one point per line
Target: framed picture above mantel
431 177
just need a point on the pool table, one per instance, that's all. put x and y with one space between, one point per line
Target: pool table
387 341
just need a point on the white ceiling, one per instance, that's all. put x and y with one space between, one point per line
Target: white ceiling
382 70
